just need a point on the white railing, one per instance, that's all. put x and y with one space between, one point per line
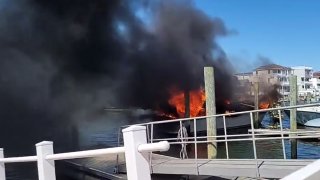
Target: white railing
252 134
135 148
309 172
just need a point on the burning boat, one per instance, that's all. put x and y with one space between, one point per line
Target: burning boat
196 109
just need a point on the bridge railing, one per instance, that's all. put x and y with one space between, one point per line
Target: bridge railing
135 148
252 134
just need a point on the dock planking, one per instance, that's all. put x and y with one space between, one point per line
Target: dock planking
267 168
102 166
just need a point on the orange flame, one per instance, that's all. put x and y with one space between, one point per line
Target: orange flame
264 105
197 99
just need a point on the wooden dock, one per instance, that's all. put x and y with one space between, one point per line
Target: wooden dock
165 165
268 168
102 166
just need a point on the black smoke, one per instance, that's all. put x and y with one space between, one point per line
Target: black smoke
63 61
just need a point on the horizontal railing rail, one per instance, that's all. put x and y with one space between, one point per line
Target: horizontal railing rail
85 154
135 149
18 159
160 146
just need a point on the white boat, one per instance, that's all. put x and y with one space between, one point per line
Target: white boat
313 123
306 114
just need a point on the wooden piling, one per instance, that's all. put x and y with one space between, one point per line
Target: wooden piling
210 110
293 114
256 103
308 98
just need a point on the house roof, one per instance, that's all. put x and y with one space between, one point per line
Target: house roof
243 74
317 74
272 67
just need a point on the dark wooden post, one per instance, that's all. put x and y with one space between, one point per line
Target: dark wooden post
293 114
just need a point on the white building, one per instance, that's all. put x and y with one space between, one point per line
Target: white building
304 76
316 82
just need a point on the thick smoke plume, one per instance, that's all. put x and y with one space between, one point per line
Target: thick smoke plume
64 61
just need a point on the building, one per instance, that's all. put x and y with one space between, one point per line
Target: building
244 85
244 77
304 75
273 74
316 82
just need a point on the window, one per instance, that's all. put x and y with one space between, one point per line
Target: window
302 78
302 86
269 71
256 72
274 71
287 89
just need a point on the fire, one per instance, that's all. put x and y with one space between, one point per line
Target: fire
197 99
264 105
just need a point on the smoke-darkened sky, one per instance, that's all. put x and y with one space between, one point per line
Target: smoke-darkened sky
64 61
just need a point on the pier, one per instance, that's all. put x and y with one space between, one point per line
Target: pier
228 168
139 154
232 168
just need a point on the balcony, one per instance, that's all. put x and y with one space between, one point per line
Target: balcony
285 83
281 75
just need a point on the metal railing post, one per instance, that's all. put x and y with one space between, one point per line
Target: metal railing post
2 167
225 136
151 141
46 168
282 139
137 163
116 170
254 145
195 143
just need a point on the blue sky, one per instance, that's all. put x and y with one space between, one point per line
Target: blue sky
286 31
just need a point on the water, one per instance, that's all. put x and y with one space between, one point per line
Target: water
97 137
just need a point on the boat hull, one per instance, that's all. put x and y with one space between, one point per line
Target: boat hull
233 124
304 115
